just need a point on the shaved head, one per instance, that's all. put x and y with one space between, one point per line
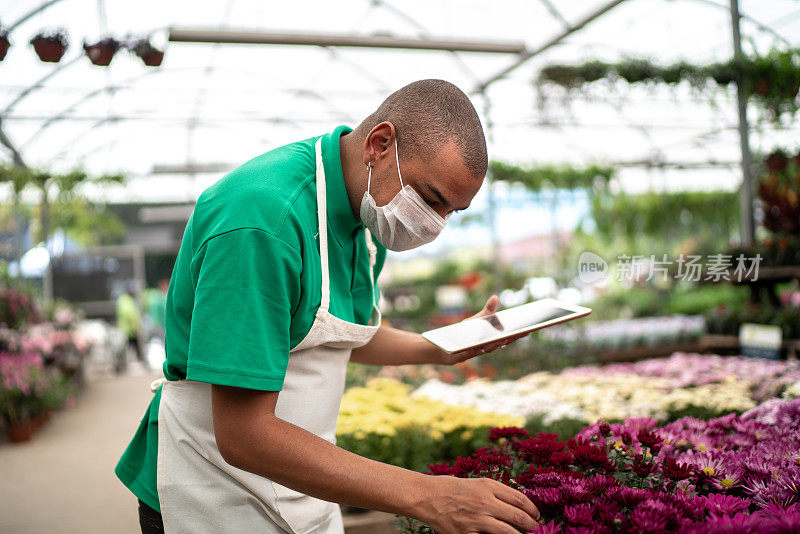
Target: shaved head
428 115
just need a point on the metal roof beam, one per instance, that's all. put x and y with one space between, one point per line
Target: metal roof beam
526 55
200 35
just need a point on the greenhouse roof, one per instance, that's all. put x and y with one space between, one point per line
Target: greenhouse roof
210 107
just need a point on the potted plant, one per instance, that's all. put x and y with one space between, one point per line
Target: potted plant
4 44
17 308
102 52
151 56
50 45
23 382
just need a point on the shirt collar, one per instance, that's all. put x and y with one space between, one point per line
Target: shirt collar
341 218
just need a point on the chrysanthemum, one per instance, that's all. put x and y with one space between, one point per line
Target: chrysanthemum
724 505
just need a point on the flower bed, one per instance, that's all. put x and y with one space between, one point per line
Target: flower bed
416 375
626 333
663 389
41 357
765 378
387 421
381 421
730 474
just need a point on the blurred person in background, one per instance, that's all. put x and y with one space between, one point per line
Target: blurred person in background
273 292
154 302
129 320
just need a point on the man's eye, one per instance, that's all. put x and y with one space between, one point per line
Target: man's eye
429 202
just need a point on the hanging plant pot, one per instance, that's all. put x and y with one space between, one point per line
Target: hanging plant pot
20 432
723 73
636 70
4 44
761 87
50 47
151 56
593 70
777 161
563 75
672 74
102 52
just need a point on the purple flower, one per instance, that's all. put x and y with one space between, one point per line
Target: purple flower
724 505
549 528
579 514
509 433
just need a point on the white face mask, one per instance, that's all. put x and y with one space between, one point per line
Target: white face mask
406 222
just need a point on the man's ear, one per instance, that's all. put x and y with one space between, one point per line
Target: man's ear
378 141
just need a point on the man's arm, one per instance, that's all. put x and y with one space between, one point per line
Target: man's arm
249 436
390 346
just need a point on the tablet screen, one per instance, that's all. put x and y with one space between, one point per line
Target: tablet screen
477 331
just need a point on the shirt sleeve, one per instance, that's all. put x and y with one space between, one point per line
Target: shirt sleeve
246 288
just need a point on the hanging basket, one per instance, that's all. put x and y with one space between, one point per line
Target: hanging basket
102 52
777 161
154 58
151 56
5 44
50 47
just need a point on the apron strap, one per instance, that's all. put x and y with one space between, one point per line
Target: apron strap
157 383
373 253
322 219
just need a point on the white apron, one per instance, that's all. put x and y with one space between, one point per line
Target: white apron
198 491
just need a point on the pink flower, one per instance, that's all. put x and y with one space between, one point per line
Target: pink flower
724 505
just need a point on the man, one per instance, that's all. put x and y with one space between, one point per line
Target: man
273 292
129 321
155 306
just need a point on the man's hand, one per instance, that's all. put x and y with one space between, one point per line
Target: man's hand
488 309
471 505
251 437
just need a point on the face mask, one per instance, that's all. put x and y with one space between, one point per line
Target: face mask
406 222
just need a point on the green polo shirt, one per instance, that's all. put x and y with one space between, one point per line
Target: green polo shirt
246 283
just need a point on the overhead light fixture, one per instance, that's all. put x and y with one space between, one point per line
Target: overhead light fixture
102 52
50 45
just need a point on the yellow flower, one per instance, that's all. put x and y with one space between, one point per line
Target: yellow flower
383 407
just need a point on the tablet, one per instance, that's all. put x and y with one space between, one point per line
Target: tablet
507 323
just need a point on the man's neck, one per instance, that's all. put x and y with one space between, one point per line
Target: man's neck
353 170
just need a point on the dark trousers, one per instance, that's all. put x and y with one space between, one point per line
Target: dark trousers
133 342
150 520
